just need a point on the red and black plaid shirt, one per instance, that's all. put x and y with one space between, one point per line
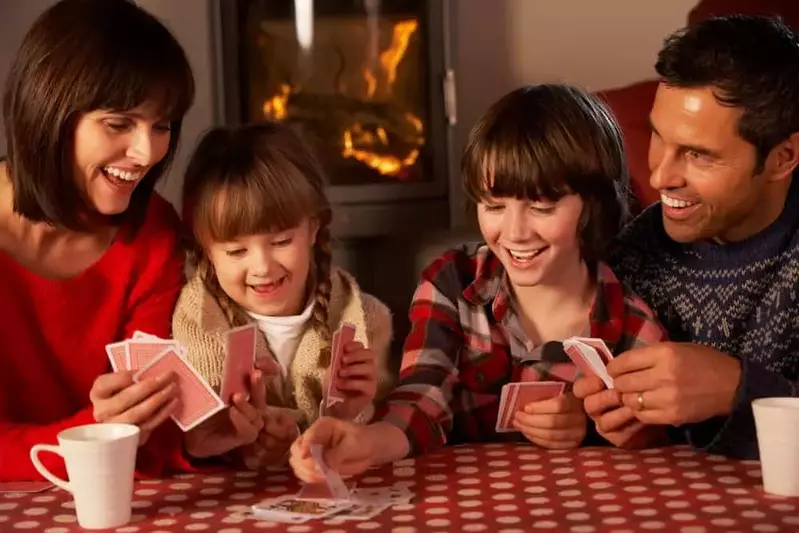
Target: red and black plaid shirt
466 342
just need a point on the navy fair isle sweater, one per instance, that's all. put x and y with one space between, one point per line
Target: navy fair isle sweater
740 298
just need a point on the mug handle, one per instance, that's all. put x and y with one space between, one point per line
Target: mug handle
55 480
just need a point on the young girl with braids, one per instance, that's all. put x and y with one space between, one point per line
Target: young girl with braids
255 201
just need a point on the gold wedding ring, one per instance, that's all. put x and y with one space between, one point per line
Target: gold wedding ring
640 401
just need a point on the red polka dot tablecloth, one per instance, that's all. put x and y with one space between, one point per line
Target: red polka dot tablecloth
492 488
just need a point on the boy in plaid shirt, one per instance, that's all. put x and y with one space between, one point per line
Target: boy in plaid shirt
545 168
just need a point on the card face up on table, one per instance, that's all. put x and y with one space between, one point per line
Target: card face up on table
331 499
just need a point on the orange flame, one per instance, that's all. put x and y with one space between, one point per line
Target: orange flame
371 83
392 57
275 107
388 165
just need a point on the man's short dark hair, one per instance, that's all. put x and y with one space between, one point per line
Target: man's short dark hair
752 62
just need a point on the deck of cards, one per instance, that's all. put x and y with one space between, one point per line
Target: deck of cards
150 356
24 487
515 396
331 499
590 355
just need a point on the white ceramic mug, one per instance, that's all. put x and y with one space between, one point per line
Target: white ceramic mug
777 423
100 461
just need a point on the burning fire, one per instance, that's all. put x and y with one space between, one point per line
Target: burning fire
275 107
388 165
359 141
392 57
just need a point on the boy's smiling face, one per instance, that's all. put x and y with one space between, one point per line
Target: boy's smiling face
537 242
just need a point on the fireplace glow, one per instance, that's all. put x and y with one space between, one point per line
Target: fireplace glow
378 135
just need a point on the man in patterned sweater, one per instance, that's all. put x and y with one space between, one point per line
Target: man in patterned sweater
716 259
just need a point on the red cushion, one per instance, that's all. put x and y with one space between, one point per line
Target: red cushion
631 105
787 9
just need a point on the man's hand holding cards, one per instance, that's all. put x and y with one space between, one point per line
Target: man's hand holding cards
590 355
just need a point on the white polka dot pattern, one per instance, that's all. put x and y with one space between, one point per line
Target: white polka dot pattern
497 487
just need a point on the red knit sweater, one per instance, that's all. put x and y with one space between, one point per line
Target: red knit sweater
53 335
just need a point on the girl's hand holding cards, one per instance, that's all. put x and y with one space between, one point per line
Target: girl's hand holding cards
272 444
559 422
231 428
345 449
147 404
357 380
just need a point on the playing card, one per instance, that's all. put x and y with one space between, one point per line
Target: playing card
292 510
597 344
320 491
24 486
142 335
394 495
118 355
344 335
198 402
142 351
338 489
239 361
536 392
588 359
515 396
362 511
505 393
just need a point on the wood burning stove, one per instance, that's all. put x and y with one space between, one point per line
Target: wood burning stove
367 82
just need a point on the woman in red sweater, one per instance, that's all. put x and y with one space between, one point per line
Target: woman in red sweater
92 110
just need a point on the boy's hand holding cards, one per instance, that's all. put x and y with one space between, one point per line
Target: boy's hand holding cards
590 356
515 396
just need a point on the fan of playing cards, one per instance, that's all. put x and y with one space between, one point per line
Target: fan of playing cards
331 499
150 356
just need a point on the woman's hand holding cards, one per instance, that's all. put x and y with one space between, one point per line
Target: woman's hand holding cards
147 404
231 428
559 422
